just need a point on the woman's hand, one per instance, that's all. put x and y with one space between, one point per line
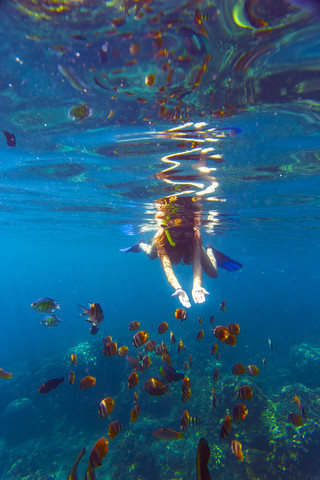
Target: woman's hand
183 297
198 294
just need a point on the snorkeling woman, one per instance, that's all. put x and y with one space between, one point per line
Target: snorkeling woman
178 240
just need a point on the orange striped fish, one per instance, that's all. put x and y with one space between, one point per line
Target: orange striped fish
98 452
87 382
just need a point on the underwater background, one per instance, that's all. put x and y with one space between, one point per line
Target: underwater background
107 107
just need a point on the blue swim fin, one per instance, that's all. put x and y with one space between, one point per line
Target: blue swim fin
224 261
135 248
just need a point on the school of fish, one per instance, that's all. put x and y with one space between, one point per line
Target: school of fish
156 386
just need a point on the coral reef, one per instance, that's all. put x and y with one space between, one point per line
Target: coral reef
306 361
86 354
19 416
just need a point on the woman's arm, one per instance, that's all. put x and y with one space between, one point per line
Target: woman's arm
198 292
196 260
168 270
172 279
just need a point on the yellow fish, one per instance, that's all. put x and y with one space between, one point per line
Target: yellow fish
4 374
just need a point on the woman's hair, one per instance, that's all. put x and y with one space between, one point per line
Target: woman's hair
182 251
177 211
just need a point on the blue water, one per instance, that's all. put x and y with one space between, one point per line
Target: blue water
75 192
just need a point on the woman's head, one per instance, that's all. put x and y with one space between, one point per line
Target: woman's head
177 249
176 211
179 219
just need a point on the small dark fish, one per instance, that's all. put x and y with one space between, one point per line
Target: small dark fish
186 390
163 327
134 363
110 349
240 412
162 349
264 363
71 377
216 375
98 452
172 338
134 325
73 359
94 313
79 112
181 314
298 402
103 55
150 346
133 380
122 351
94 329
87 382
140 338
184 420
200 335
146 362
149 79
221 332
114 429
71 76
73 473
106 340
11 139
4 374
135 412
200 319
252 370
203 455
168 434
236 448
181 346
50 321
233 328
231 340
223 306
134 48
50 385
214 349
106 407
238 369
170 374
154 386
225 427
78 37
59 50
212 319
295 419
245 392
44 305
214 399
270 343
194 421
166 359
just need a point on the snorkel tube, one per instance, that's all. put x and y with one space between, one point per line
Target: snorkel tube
172 243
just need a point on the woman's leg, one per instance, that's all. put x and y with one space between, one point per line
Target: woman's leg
149 249
209 262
